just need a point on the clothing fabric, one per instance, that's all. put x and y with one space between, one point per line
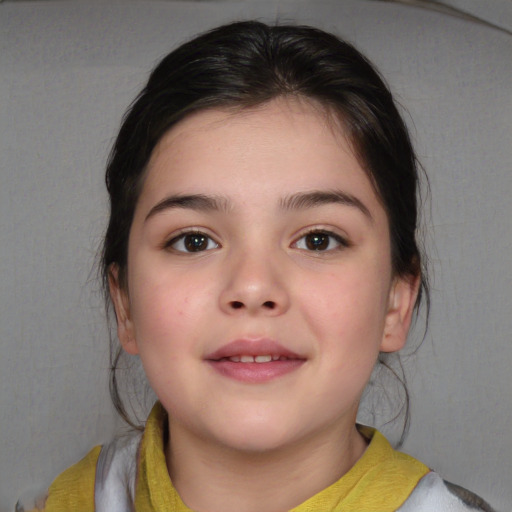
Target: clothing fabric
130 474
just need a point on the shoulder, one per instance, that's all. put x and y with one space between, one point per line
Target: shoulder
434 493
74 488
103 478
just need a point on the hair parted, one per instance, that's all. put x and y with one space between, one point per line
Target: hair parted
244 65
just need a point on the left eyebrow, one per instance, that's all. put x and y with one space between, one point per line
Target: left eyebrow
316 198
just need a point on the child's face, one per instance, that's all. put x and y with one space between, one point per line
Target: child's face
258 234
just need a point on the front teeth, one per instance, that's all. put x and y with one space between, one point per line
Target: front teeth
263 359
256 359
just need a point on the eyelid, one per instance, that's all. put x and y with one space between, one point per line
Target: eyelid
340 239
182 233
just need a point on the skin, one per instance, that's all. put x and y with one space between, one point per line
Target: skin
267 445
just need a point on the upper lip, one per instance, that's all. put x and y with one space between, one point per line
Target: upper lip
252 347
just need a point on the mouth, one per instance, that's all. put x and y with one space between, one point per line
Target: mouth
254 360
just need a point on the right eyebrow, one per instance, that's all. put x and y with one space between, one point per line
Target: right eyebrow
199 202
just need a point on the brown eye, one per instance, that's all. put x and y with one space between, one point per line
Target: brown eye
320 241
192 242
317 241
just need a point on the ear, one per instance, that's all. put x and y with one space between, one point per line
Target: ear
402 298
121 301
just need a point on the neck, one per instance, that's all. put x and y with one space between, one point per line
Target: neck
218 479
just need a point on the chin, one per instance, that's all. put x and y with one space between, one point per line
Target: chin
257 437
256 446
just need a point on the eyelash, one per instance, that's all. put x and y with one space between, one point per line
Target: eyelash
190 233
321 234
341 242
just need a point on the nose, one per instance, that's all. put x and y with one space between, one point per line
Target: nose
254 285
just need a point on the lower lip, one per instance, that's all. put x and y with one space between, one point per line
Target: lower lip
256 372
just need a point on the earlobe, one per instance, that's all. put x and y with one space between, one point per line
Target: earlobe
402 298
120 299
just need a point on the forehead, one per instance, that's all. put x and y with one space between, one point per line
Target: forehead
279 148
289 116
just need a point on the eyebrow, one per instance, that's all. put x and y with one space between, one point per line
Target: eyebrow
304 200
299 201
199 202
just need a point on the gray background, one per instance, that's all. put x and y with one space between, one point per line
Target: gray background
69 69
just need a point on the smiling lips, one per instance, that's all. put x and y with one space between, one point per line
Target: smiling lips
254 361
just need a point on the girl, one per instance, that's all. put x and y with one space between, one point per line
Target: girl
261 257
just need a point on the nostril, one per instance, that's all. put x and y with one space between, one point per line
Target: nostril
236 304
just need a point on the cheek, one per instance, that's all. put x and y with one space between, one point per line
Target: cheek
347 313
359 295
167 316
166 309
348 321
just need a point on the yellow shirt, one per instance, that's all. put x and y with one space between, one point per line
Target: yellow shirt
380 481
